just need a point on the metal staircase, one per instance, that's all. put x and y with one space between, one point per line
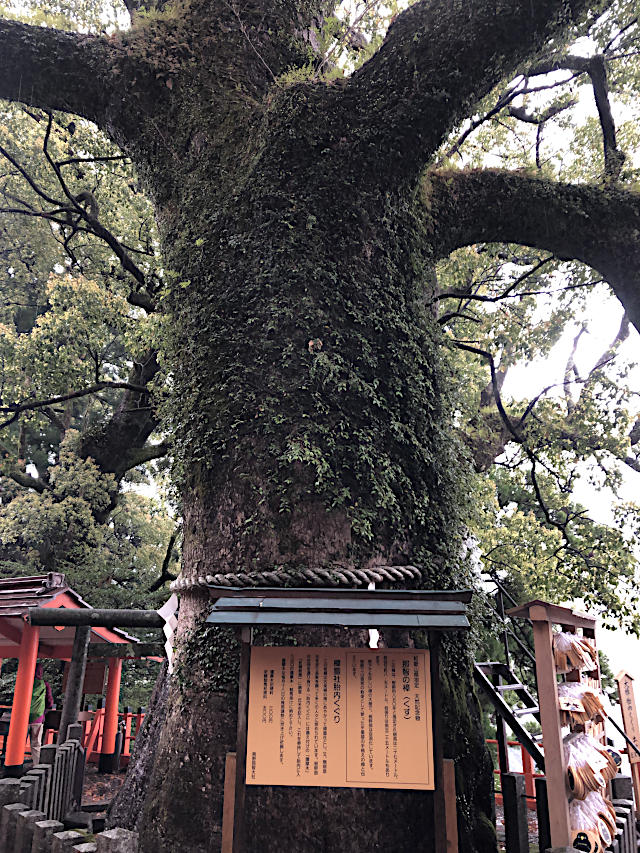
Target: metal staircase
495 679
500 684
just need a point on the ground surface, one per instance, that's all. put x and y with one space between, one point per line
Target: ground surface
533 829
100 787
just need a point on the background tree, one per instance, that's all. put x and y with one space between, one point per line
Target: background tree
72 441
311 400
72 342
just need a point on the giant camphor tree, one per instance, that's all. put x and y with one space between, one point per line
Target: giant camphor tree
301 215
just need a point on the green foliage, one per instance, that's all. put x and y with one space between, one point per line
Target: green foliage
66 323
527 521
58 531
82 15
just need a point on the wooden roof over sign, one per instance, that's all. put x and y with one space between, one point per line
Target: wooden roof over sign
435 610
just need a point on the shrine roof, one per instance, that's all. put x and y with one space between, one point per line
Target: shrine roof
19 594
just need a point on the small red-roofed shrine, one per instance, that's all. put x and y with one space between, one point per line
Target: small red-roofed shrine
27 643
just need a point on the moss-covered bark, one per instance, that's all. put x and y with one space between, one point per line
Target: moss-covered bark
313 428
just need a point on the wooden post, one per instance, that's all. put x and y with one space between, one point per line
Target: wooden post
228 802
527 772
631 727
126 745
19 726
439 805
246 636
514 799
75 681
542 809
106 762
449 785
555 769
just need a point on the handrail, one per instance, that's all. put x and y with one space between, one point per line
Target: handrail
509 627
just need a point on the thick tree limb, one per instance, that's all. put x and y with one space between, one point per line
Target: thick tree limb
55 70
596 68
26 480
600 227
32 405
439 58
138 456
119 444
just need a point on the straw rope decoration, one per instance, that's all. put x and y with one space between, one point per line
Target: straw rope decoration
311 577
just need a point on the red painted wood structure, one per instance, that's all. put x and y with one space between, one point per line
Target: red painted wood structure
19 639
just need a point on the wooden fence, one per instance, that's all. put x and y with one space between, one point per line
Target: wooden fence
53 787
92 722
528 771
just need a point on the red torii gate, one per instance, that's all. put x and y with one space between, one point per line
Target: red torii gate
19 639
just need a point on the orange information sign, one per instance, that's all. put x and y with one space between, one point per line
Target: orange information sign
355 718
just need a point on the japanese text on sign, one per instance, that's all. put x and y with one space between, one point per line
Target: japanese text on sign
629 713
340 717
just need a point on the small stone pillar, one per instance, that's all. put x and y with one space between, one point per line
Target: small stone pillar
117 840
9 791
62 841
8 819
25 824
42 834
41 775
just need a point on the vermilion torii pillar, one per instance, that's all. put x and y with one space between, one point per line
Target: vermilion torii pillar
16 739
107 762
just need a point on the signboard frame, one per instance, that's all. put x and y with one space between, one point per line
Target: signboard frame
631 726
441 812
431 611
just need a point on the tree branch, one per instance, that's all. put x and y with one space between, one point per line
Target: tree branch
26 480
32 405
55 70
478 297
165 574
519 439
437 59
118 445
89 215
571 371
138 456
599 227
19 475
609 354
595 67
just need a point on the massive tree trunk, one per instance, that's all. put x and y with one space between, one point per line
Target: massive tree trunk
313 423
310 389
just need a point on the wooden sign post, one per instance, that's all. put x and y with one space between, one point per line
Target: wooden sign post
631 727
554 763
